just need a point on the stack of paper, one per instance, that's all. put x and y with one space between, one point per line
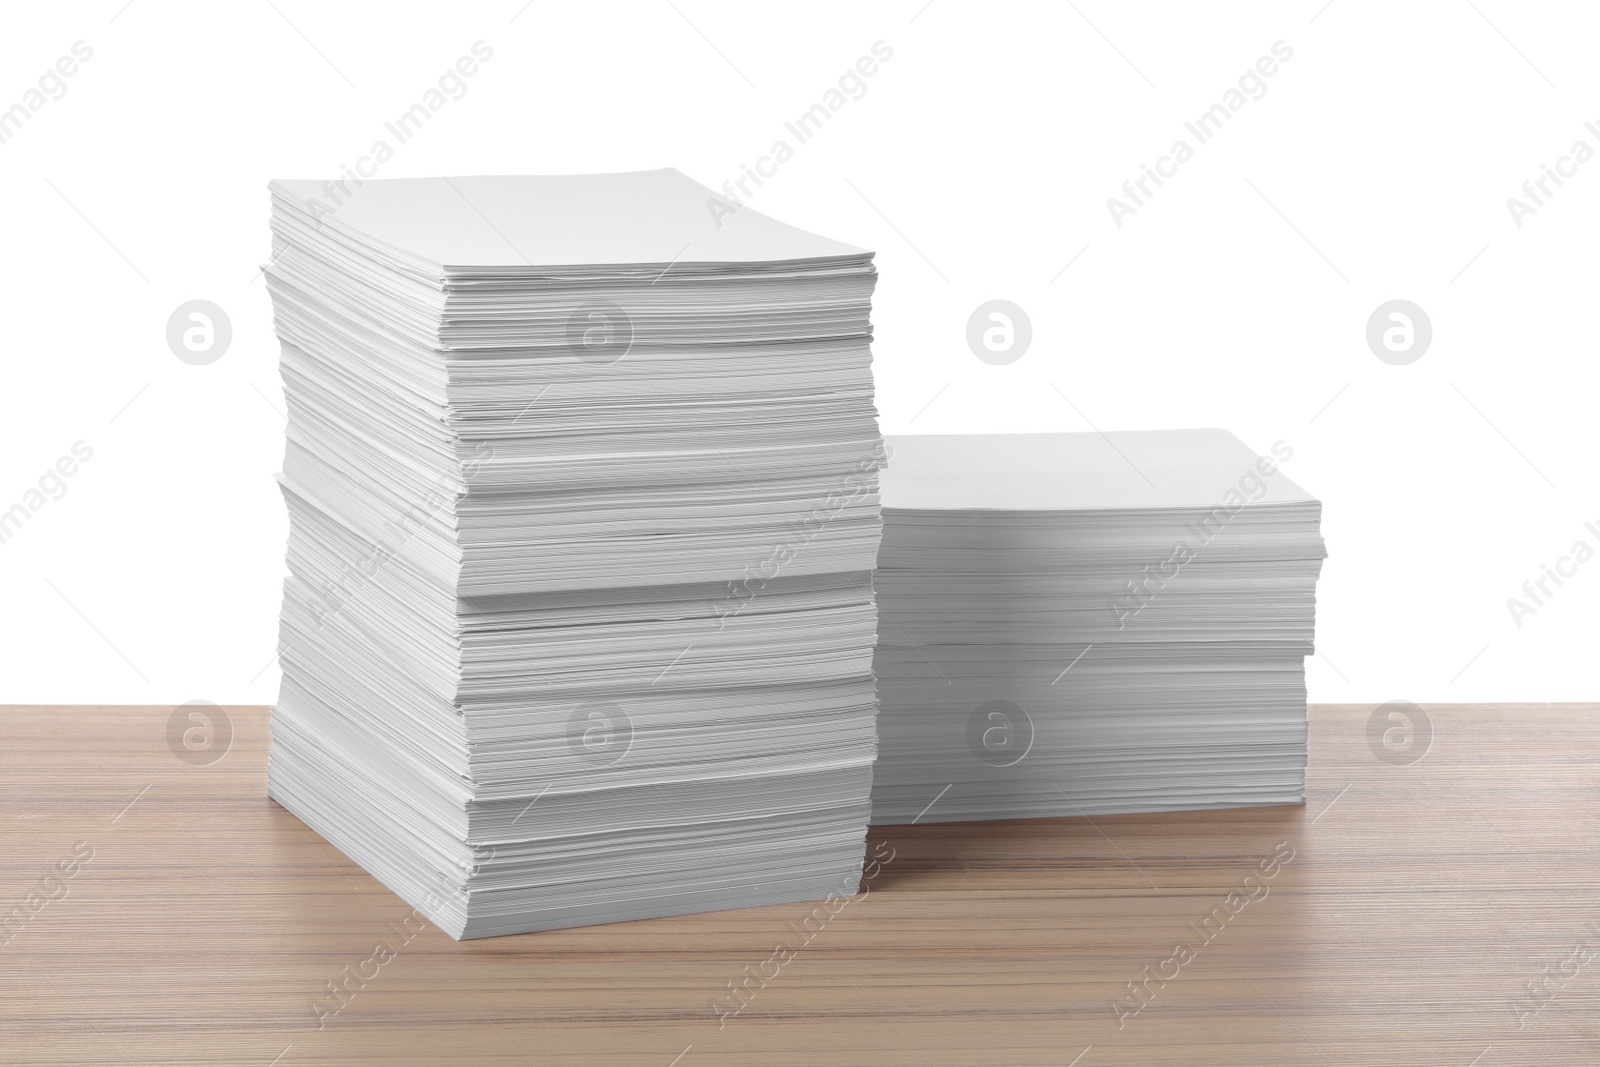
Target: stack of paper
582 481
1091 623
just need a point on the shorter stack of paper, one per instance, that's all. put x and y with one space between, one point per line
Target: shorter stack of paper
1091 623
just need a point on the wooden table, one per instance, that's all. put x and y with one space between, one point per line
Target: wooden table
180 917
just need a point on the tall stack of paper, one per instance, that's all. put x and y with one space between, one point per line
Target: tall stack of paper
1091 623
582 481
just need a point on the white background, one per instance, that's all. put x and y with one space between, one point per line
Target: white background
977 165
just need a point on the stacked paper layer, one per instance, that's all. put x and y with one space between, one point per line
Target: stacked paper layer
1091 623
582 484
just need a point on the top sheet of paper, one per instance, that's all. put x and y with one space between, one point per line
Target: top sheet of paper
1079 471
636 217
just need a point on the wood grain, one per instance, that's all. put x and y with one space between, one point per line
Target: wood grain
1421 901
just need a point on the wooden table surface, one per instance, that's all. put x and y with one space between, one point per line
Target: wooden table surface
1443 911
